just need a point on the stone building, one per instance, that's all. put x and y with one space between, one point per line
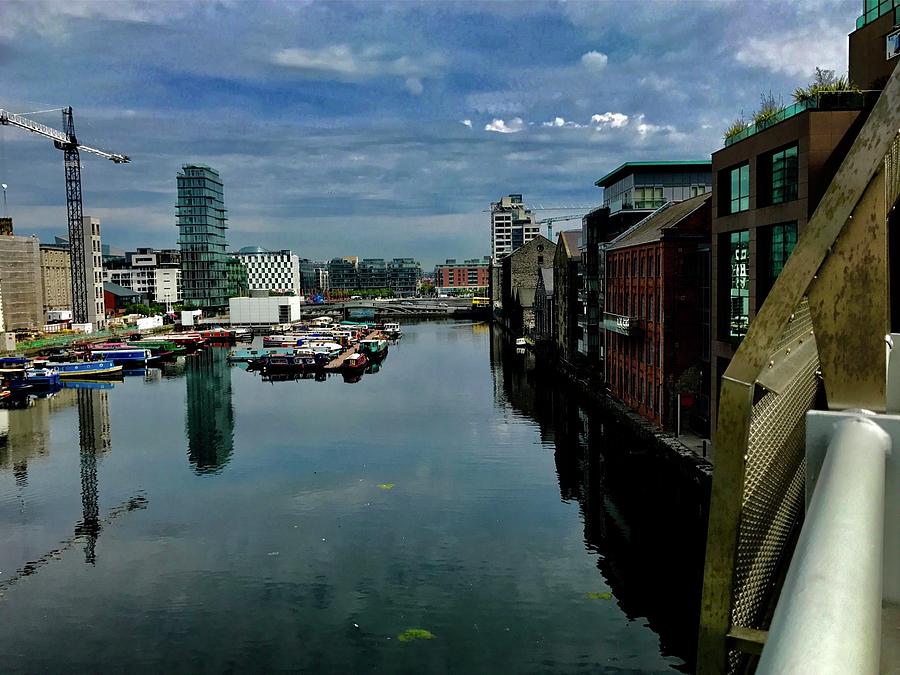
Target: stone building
544 307
518 280
566 287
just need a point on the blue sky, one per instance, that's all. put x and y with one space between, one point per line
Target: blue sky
382 129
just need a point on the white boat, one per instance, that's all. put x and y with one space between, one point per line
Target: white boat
392 330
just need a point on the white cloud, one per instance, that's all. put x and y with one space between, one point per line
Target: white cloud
467 123
646 129
514 125
790 51
594 61
414 86
559 122
343 61
613 120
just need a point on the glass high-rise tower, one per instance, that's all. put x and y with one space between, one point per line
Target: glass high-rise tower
201 220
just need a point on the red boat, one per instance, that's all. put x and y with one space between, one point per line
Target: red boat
355 363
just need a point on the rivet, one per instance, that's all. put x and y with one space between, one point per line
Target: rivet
771 363
787 351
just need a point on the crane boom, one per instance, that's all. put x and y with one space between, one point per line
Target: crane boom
67 142
555 219
12 119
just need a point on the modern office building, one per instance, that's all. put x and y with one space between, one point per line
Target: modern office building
201 218
276 271
656 327
56 275
769 179
471 275
631 192
156 274
372 273
512 225
343 273
20 282
313 276
404 275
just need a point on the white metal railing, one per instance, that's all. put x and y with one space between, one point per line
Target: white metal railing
828 618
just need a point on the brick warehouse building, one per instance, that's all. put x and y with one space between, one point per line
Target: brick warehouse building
656 327
472 274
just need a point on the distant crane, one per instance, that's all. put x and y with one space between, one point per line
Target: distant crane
549 222
67 142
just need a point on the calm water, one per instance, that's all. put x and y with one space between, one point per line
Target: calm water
200 519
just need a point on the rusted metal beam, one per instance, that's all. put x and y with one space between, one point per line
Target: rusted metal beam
864 159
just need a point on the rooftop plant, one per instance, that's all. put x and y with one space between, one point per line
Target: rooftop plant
736 127
824 81
769 107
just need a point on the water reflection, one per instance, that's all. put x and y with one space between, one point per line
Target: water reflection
646 524
209 420
94 438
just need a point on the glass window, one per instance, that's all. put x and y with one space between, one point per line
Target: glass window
784 238
740 188
739 310
784 175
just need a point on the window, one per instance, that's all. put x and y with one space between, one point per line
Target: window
740 188
648 197
784 238
739 309
784 175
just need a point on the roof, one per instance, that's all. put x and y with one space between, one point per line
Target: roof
664 218
547 276
629 167
253 249
569 240
115 289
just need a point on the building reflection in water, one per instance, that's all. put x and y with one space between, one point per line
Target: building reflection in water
209 421
646 523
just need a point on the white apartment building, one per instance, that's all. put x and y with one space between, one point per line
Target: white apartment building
512 225
155 273
277 271
93 272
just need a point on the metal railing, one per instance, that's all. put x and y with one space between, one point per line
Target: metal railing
828 617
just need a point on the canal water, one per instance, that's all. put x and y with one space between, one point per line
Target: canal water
455 511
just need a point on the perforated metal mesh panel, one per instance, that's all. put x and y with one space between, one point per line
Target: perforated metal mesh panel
892 172
773 494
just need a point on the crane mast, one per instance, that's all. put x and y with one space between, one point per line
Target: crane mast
67 142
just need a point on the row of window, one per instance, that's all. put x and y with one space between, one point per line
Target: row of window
634 264
777 183
777 243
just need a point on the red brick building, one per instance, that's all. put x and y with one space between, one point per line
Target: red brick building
656 321
468 275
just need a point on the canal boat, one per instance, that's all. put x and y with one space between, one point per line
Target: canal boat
87 370
218 335
392 330
190 341
300 360
243 335
127 358
247 355
375 349
287 340
355 363
42 379
14 362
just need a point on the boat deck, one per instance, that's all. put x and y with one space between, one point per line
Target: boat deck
336 363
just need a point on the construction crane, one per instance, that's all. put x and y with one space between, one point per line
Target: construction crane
67 142
549 222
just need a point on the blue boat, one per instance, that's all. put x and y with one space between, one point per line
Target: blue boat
13 362
42 378
89 370
127 358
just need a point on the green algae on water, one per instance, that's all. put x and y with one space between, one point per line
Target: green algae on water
600 596
386 486
411 634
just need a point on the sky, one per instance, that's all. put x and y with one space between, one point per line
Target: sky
382 129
